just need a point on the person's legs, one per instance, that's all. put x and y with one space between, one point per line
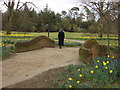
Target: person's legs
60 47
60 43
63 42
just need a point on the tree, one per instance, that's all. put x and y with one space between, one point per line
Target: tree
64 13
0 20
102 8
73 14
74 11
10 9
119 29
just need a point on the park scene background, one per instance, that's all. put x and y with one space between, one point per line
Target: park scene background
98 20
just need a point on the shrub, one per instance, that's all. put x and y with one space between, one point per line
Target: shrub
8 42
5 51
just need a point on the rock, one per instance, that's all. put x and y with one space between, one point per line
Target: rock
90 50
89 43
85 55
99 51
36 43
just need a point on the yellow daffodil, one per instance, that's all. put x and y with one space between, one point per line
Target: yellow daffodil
96 66
92 71
80 75
108 56
111 71
70 86
98 61
106 67
70 79
78 82
107 62
113 57
78 70
104 63
0 44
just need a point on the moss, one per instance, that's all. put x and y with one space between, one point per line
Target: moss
90 50
89 43
85 55
99 51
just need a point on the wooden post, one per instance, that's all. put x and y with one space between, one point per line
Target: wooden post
48 27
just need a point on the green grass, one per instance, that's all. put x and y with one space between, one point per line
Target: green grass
68 35
11 40
5 51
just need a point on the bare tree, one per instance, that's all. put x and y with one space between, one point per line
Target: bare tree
103 9
11 8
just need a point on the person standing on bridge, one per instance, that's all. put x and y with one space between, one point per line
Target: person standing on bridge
61 37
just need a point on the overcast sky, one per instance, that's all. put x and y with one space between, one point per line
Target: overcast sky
54 5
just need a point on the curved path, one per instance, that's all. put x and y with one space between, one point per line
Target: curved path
79 41
23 66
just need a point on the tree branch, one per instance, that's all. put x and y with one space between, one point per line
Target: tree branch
26 3
5 3
18 4
91 7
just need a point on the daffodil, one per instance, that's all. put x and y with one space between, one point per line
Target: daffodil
104 63
78 69
96 66
78 82
98 61
111 71
106 67
70 86
108 56
92 71
80 75
0 44
70 79
107 62
113 57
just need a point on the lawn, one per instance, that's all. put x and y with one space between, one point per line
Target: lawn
71 35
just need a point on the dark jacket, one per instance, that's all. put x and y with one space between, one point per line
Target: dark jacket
61 35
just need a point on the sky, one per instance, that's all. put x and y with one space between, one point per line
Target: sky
54 5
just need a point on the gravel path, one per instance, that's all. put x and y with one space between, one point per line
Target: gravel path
23 66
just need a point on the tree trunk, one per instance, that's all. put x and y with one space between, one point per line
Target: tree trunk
119 30
10 14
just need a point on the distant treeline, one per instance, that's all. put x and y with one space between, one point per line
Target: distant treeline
28 20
